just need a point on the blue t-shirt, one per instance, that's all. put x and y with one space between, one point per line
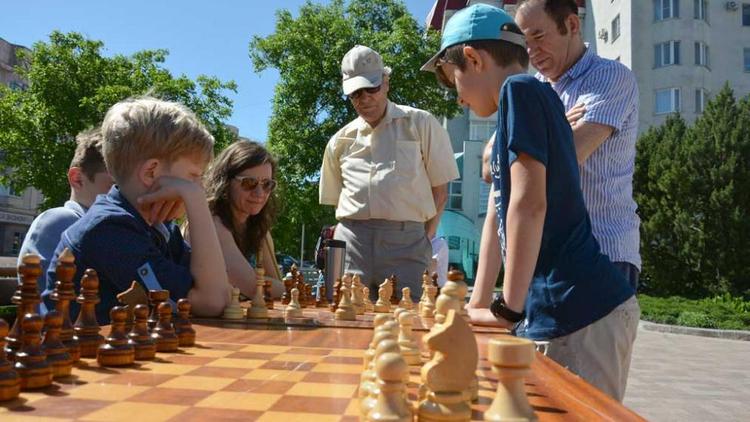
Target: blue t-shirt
45 231
115 240
574 284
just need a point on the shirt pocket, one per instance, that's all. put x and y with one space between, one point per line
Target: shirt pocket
408 157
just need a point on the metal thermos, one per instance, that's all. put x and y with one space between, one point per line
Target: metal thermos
335 254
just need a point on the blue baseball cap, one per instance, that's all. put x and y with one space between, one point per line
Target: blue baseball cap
474 23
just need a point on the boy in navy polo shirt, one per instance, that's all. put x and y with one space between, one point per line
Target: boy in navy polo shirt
557 286
156 152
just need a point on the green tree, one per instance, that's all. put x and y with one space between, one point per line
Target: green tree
308 105
693 189
71 86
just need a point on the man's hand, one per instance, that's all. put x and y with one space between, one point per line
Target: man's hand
575 114
483 316
164 200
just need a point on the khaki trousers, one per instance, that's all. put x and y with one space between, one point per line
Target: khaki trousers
600 352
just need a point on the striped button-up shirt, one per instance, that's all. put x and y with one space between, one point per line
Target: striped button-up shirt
610 93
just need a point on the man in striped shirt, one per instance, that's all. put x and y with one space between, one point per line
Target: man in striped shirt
601 100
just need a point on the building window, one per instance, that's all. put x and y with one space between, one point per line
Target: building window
665 9
615 28
700 100
17 239
481 130
746 14
747 60
454 242
7 191
667 100
667 53
701 54
454 195
699 10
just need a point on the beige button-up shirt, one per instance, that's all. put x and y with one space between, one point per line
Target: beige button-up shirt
387 172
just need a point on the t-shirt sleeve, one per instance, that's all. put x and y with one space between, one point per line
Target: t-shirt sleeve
526 121
610 96
122 252
439 162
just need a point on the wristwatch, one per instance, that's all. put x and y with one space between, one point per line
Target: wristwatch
500 310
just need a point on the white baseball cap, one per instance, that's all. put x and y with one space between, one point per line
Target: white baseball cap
362 67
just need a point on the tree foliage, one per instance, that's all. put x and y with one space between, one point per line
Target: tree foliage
71 84
692 185
308 104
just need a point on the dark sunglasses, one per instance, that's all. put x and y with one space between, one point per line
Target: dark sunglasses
250 183
358 93
441 77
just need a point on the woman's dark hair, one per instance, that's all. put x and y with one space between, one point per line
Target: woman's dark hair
235 159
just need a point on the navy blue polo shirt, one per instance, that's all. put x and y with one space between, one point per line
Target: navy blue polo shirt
115 240
574 284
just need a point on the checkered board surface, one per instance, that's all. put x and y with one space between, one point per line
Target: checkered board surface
271 375
214 381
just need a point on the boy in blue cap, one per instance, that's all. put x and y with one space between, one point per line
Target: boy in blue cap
557 286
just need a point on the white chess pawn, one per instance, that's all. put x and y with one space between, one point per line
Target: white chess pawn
369 307
409 347
391 404
233 310
406 301
293 310
258 308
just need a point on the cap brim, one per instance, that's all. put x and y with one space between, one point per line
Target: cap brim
362 81
431 65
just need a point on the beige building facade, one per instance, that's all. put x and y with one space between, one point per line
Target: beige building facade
17 209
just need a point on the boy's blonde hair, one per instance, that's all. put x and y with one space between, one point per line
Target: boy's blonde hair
144 128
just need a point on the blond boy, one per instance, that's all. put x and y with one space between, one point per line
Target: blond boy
156 152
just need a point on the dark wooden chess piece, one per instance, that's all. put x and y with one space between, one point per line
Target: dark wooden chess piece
27 298
267 296
63 294
117 351
394 288
10 383
435 283
322 301
134 295
182 326
336 295
31 362
163 334
156 297
140 338
86 326
58 356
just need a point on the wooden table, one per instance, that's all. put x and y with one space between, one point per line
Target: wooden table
244 372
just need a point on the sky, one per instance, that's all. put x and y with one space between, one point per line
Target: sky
202 38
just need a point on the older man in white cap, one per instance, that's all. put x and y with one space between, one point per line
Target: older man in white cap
387 174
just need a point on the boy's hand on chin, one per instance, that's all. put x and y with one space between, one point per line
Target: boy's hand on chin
164 201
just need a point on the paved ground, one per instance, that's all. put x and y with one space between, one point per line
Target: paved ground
677 377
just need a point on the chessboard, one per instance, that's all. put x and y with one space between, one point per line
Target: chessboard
246 373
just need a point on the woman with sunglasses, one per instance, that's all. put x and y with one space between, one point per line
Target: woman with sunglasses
239 187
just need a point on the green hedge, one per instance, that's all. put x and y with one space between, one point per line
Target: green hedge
722 312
